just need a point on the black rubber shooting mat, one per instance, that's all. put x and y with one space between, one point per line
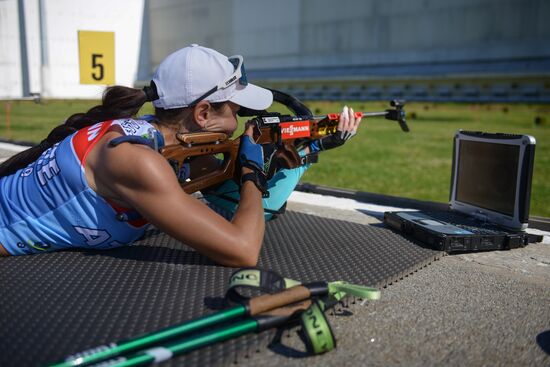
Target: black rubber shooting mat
56 304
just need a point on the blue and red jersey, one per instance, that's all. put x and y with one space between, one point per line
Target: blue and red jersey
49 205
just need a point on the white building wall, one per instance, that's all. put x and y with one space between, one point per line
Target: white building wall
32 23
274 28
272 35
179 23
10 60
328 33
58 75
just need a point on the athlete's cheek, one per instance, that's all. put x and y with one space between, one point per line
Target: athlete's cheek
232 126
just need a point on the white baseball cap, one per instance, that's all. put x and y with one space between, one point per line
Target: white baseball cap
196 73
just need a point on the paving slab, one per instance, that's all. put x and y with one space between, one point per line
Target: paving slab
477 309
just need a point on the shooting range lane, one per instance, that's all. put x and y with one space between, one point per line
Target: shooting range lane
57 304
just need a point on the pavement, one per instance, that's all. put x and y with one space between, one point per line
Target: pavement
7 150
477 309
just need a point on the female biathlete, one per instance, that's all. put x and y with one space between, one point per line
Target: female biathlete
98 180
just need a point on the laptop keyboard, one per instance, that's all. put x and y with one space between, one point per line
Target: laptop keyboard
468 223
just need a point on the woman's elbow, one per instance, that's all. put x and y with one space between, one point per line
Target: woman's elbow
246 256
240 261
248 262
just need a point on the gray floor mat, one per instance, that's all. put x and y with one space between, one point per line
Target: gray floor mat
56 304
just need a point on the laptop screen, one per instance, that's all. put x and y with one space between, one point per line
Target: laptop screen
487 175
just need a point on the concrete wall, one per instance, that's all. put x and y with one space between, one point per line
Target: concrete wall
370 48
305 33
43 58
435 49
10 53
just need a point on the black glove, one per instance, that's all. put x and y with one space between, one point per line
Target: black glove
347 128
331 141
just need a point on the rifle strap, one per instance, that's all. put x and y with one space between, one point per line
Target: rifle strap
317 333
309 158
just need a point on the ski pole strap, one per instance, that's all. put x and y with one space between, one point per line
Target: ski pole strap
316 329
317 333
247 282
318 336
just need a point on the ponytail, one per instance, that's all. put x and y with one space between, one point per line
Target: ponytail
117 102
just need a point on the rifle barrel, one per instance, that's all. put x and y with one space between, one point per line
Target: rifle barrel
357 114
371 114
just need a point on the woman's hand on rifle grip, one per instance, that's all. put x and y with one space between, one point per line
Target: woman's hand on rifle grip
347 128
348 123
250 154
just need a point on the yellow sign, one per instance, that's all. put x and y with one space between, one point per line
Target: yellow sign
97 57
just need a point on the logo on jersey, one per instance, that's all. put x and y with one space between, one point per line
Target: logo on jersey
38 245
26 172
93 131
46 166
93 237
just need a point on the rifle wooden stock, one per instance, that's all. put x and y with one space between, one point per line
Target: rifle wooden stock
285 131
281 133
201 144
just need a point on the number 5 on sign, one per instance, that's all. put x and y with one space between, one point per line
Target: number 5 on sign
97 57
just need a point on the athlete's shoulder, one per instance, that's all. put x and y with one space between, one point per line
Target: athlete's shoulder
131 168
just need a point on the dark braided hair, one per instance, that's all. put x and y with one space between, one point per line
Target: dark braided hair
117 102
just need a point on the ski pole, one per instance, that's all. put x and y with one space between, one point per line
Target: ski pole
248 325
253 306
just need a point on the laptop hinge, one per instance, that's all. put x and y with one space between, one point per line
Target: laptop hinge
481 215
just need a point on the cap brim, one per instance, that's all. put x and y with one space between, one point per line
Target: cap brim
253 97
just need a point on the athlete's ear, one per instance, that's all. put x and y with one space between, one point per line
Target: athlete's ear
201 113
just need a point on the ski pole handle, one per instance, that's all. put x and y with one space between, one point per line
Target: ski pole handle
267 302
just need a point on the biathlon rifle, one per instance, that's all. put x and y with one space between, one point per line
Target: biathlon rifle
286 132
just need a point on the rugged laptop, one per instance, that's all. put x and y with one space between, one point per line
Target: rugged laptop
489 198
